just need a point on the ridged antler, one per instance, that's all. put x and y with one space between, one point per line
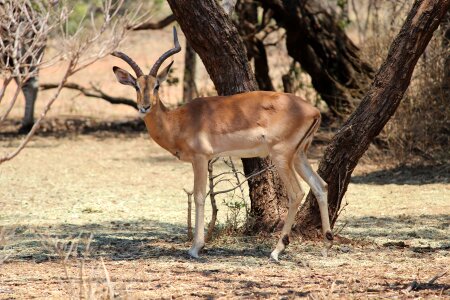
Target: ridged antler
167 54
131 62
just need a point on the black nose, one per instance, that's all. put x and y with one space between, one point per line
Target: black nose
146 107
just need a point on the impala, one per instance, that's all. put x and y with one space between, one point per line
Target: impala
252 124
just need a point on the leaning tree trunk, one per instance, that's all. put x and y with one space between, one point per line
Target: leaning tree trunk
211 33
315 39
376 108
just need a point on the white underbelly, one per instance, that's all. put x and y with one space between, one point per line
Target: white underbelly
260 151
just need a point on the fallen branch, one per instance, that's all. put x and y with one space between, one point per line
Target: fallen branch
93 92
415 285
436 277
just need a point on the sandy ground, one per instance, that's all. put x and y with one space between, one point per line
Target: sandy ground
128 193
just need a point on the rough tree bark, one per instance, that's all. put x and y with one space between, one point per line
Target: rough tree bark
315 39
216 40
247 12
446 49
378 105
189 87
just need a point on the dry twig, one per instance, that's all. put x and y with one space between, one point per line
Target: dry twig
189 215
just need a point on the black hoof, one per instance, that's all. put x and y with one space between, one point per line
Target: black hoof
285 240
329 235
24 129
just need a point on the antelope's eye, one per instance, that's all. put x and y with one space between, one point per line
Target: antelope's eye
156 87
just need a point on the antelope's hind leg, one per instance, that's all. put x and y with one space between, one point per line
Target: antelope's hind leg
295 194
320 189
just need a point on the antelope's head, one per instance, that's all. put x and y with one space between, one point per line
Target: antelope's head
146 86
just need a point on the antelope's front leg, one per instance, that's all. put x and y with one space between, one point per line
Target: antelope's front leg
200 166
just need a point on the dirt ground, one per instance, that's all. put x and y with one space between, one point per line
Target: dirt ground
128 193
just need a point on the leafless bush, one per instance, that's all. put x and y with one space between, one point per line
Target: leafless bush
77 50
230 184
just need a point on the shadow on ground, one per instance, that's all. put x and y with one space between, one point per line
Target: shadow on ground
413 175
118 240
64 127
424 233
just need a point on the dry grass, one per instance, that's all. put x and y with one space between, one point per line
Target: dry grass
128 193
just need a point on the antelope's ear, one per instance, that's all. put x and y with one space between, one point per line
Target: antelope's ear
124 77
162 76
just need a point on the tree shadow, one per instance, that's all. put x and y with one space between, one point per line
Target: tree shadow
116 240
424 233
63 127
412 175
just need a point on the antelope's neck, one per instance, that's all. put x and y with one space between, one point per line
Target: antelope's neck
160 128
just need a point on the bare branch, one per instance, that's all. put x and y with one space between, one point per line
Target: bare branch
212 197
11 104
36 125
94 92
246 179
153 25
238 180
23 55
4 86
189 216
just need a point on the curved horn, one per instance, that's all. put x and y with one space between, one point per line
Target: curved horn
131 62
167 54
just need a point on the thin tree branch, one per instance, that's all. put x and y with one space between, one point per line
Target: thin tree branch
4 86
212 197
189 216
43 114
153 25
11 104
246 179
94 92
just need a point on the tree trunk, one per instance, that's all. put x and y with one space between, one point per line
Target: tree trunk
189 88
211 33
315 39
378 105
446 49
247 24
